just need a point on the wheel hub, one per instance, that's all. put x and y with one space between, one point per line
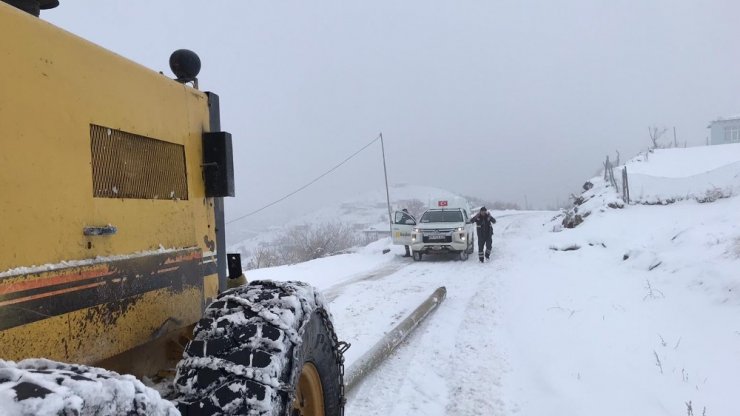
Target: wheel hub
309 398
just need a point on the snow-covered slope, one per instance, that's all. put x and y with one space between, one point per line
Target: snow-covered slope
683 162
668 175
659 177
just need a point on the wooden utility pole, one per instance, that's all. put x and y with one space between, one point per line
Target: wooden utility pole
675 141
387 192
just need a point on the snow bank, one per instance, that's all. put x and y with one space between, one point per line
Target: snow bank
641 319
704 187
703 173
325 272
683 162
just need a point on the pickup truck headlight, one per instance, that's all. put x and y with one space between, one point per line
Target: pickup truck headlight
460 229
417 230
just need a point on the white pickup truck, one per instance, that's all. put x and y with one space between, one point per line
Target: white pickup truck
441 230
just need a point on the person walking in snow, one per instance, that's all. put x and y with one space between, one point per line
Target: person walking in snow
408 250
484 221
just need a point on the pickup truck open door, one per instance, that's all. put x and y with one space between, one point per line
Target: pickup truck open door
403 225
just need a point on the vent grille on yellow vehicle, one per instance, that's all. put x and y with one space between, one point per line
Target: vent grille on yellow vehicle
127 165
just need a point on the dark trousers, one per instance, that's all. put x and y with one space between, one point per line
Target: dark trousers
487 241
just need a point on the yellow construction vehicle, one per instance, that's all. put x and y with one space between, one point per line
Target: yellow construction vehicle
112 222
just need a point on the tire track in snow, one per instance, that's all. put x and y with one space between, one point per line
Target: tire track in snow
413 379
334 291
478 366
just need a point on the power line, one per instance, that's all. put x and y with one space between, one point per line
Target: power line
306 185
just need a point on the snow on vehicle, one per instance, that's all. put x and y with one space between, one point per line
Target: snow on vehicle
445 229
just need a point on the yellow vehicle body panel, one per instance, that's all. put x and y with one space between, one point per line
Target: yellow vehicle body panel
54 87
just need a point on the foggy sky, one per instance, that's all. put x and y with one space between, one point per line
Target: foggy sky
497 99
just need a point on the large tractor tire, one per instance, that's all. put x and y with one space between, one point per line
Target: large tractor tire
36 387
267 348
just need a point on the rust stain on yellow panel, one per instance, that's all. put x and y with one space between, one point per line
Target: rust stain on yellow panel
210 287
88 336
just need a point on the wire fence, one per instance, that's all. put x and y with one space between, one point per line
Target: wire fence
610 178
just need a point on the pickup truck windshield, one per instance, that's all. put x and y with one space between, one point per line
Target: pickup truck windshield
442 216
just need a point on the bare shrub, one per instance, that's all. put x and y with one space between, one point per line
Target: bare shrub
263 257
308 242
571 219
494 205
305 242
658 363
655 135
651 292
712 195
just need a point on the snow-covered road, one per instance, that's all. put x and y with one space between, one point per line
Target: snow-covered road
543 331
451 365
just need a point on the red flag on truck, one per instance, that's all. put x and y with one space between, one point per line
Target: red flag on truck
442 203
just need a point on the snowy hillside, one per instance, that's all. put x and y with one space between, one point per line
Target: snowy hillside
660 177
683 162
365 211
667 175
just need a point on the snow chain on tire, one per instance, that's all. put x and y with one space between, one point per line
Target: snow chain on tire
249 348
339 348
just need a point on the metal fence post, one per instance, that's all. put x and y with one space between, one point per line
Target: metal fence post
625 186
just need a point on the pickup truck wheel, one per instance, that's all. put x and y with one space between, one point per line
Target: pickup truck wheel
417 255
463 255
471 248
267 348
